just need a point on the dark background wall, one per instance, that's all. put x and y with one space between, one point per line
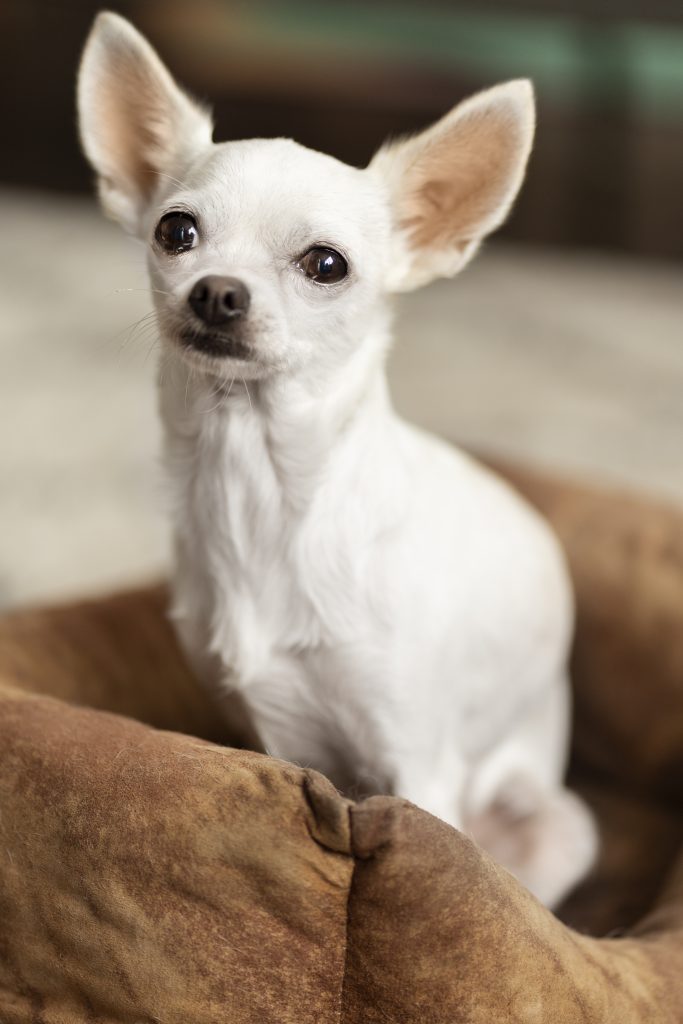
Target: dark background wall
608 165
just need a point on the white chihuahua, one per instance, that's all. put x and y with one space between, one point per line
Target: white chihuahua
386 610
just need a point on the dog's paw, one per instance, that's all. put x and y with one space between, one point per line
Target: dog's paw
549 841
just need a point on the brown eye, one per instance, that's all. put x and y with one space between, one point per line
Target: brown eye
325 266
176 232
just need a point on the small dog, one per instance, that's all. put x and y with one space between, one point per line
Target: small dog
380 607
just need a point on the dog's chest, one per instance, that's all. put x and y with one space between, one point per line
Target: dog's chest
255 576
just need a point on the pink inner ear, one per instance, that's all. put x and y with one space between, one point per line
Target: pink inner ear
137 117
460 185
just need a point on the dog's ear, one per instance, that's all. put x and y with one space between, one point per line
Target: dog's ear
455 182
135 123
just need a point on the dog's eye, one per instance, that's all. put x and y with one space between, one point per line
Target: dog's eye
325 266
176 232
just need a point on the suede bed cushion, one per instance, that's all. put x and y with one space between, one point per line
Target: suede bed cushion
150 876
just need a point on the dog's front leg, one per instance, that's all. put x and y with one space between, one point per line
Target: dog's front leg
297 719
294 721
436 785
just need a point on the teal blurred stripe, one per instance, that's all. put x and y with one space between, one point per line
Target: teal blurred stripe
565 56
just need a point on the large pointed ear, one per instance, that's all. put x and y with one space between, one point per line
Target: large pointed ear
455 182
135 123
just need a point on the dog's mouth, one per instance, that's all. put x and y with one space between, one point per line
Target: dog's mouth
216 344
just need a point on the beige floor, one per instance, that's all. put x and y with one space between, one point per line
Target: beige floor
572 361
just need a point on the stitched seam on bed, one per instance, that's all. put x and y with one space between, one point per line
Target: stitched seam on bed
343 985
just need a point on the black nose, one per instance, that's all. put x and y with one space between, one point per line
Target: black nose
216 300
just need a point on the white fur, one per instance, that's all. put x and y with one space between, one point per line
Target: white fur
389 611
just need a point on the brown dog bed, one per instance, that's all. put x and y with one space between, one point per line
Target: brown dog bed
149 876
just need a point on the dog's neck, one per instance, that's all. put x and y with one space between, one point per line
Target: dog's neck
293 423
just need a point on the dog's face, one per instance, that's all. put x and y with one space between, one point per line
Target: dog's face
267 258
255 272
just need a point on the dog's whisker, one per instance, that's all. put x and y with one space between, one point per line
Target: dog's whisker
189 379
155 343
138 329
176 181
132 331
216 406
187 385
246 388
154 291
164 363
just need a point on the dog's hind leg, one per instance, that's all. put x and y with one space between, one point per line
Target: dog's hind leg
519 811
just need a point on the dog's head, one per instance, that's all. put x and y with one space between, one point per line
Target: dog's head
267 257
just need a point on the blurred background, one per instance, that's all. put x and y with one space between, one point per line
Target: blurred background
562 345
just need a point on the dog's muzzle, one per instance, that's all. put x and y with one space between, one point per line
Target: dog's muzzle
220 304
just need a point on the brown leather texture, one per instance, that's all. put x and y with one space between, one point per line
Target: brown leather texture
149 875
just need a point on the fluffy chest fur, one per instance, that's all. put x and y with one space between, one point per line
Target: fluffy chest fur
270 539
